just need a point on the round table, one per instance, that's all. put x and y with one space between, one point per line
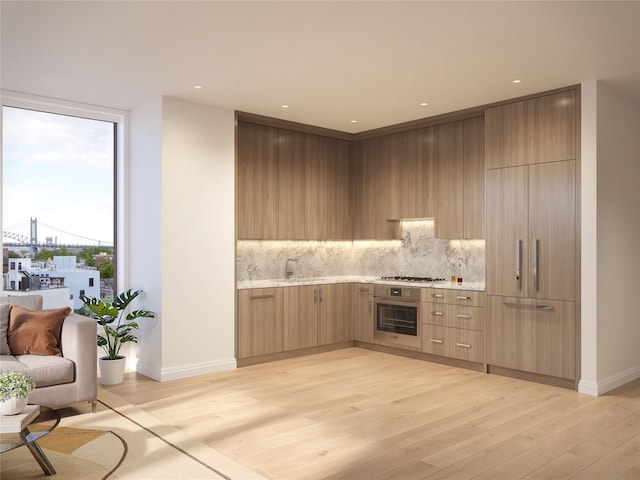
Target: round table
47 421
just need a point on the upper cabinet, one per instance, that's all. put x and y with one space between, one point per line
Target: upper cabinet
473 206
291 185
538 130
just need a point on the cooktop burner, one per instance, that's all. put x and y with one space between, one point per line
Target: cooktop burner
413 279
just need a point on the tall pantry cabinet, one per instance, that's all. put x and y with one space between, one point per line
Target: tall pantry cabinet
532 273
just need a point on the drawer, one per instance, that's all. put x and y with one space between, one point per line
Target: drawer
455 297
437 340
453 342
457 316
468 345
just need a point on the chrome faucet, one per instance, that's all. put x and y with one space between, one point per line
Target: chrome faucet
287 267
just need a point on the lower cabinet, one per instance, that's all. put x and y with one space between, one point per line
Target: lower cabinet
259 322
453 324
362 322
273 320
536 336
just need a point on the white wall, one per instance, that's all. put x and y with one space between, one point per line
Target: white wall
182 236
143 232
610 239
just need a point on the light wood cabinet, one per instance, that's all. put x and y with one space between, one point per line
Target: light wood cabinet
447 154
362 319
453 324
531 231
333 315
291 185
260 324
542 129
473 208
300 317
532 335
315 315
257 181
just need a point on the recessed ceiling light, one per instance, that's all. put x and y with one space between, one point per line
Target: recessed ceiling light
424 104
197 87
516 81
354 121
284 106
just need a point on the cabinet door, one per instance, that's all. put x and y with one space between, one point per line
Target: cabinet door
257 182
507 231
474 181
292 166
531 131
333 323
259 322
339 224
552 230
533 336
362 314
300 317
447 154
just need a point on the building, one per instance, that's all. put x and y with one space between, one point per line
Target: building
26 275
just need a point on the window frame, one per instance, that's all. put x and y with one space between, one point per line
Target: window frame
120 119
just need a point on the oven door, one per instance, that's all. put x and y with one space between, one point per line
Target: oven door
397 323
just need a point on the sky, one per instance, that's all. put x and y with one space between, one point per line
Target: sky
59 169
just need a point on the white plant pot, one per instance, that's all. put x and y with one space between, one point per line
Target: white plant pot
112 371
13 406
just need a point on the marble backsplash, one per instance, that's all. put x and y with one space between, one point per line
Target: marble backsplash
417 254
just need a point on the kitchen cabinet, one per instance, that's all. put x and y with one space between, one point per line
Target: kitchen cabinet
447 154
376 178
362 319
260 322
257 181
291 185
531 231
473 207
541 129
532 335
315 315
453 324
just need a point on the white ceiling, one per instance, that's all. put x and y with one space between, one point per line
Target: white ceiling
331 62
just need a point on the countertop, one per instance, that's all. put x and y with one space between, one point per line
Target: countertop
294 282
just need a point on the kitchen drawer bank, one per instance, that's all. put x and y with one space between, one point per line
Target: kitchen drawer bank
278 319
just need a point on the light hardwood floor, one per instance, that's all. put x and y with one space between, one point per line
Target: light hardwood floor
357 414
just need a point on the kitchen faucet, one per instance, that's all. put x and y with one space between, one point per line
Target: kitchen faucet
287 268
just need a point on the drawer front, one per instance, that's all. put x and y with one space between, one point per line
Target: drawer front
455 297
468 345
437 340
439 314
469 318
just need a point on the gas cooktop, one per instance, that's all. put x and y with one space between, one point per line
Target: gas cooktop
413 279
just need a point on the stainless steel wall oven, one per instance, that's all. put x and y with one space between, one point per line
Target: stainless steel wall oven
397 316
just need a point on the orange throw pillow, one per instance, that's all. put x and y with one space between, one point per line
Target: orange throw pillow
36 332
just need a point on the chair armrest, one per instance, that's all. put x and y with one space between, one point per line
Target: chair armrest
78 344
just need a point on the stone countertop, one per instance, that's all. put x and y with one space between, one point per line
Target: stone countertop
295 282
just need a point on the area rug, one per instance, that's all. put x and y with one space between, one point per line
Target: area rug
121 442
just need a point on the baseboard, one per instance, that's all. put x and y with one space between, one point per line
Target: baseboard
615 381
185 371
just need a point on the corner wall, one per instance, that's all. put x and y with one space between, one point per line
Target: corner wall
182 236
610 239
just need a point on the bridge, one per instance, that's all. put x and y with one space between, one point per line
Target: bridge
26 234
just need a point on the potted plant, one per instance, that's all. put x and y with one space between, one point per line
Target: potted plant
118 330
14 387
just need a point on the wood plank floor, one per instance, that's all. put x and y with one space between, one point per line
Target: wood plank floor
357 414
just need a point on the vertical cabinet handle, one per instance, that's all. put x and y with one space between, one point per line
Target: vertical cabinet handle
535 264
518 282
315 295
320 294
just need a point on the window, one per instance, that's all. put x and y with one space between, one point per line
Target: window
82 293
60 168
12 265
